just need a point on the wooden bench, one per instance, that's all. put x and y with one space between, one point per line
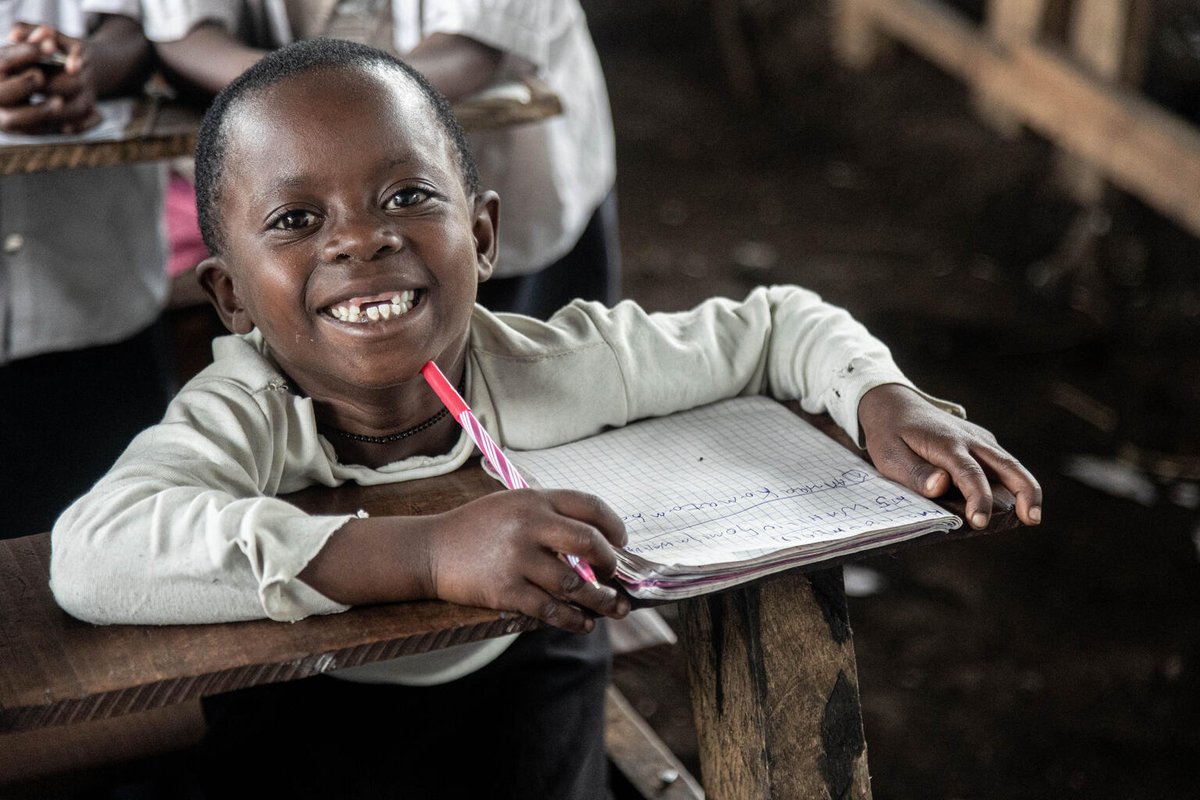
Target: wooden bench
136 717
771 664
60 756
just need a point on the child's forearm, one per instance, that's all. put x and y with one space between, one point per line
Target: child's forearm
119 54
208 58
374 560
457 65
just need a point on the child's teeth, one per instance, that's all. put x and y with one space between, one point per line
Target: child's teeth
400 303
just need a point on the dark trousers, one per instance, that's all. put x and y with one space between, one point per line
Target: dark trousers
529 726
64 419
591 270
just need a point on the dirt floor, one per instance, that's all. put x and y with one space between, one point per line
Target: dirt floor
1057 662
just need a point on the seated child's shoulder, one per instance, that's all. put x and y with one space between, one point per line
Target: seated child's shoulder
239 362
516 335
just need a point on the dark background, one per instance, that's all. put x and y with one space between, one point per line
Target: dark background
1060 661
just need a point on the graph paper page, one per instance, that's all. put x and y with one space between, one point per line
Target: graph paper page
733 481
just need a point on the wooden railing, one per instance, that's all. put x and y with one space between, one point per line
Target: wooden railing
1079 92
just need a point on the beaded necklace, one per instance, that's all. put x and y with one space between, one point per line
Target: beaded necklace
404 434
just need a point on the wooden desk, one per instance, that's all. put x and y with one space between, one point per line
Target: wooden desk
170 131
773 677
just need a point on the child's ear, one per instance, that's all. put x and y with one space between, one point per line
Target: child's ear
218 284
485 226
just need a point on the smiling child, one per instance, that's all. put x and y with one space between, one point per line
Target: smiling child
348 235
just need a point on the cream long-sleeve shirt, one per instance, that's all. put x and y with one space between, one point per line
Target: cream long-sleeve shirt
187 526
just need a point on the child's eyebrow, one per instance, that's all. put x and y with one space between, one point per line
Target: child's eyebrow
396 161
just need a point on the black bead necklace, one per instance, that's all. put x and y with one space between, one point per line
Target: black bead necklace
404 434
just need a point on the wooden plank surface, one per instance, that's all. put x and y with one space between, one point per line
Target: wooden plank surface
170 132
58 670
154 133
97 743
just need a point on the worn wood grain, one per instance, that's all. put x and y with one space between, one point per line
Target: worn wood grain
58 670
775 690
771 663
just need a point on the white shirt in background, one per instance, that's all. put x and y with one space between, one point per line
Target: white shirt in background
551 175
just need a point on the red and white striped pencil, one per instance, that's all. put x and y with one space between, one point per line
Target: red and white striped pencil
491 451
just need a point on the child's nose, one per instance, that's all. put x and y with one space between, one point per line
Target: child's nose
363 239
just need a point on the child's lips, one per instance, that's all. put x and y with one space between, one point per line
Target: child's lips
364 310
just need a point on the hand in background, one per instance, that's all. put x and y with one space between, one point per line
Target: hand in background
926 449
38 99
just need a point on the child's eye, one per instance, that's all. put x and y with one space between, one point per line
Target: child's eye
405 198
295 219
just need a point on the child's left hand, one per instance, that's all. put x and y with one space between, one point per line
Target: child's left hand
928 450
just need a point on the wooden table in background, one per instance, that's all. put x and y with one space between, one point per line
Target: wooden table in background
771 663
160 132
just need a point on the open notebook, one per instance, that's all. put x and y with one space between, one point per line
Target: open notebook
729 492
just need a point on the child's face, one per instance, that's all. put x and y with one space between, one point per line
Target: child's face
350 240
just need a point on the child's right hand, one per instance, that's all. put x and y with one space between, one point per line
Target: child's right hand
502 551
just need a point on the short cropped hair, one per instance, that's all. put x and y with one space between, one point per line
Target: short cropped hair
309 55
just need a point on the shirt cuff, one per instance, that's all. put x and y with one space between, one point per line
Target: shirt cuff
859 377
284 597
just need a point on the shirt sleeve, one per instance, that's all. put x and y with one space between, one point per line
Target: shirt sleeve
613 366
522 28
171 20
124 8
185 528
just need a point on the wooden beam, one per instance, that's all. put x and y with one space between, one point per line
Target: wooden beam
1008 23
1142 148
1106 38
644 759
857 43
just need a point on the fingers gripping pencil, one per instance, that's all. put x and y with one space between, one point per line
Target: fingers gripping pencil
491 451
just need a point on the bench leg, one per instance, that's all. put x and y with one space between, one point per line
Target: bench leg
644 759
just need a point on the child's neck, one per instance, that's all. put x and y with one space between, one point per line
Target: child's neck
435 438
374 430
